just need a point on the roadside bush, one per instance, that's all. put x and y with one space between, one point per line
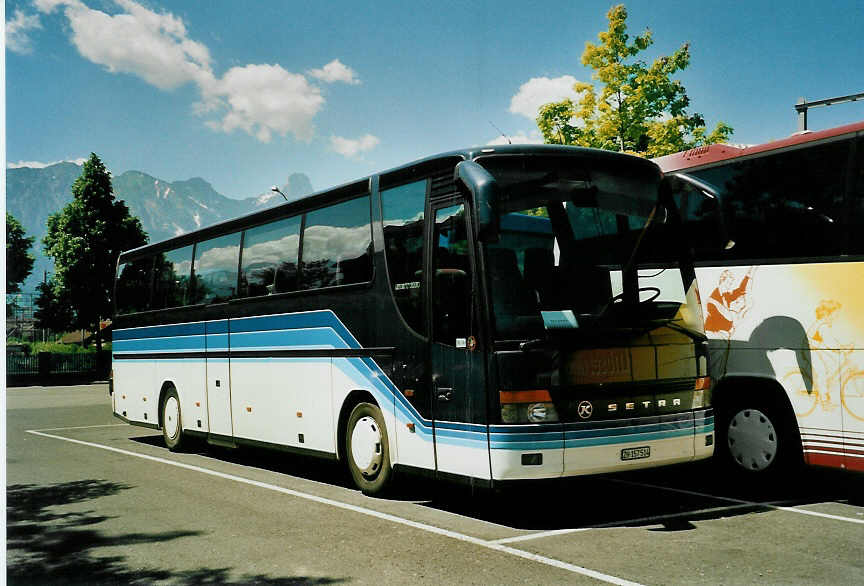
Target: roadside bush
58 348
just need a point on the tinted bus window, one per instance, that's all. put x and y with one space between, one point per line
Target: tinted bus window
856 231
173 270
216 269
133 285
337 243
270 258
403 239
786 205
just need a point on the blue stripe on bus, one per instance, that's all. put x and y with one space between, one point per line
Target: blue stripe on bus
180 343
172 330
324 330
319 338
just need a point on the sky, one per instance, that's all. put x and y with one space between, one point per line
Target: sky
245 93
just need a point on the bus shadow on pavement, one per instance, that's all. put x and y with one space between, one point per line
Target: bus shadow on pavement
306 467
49 545
670 498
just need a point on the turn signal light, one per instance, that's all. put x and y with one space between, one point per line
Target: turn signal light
702 383
536 396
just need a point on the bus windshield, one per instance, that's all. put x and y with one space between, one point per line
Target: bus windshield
569 233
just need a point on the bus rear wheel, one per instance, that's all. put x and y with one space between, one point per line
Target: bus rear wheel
172 423
757 437
367 449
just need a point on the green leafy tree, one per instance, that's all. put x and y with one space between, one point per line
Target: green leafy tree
19 261
85 239
53 312
638 108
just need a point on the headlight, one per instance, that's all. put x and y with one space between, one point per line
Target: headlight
541 413
533 406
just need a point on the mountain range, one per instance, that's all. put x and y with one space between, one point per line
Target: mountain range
165 208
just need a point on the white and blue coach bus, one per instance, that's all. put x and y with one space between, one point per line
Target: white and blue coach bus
488 315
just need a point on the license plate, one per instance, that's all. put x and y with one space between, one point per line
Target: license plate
636 453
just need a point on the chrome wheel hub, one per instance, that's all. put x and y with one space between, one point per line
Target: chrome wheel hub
171 417
366 448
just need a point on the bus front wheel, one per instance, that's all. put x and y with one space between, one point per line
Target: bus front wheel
172 425
367 449
757 437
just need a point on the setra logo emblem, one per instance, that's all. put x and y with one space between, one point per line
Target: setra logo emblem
585 409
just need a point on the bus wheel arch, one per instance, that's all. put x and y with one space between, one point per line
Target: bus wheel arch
364 443
757 432
353 399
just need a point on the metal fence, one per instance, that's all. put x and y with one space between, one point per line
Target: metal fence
54 366
17 363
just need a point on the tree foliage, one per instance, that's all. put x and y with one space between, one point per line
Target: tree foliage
19 261
638 108
53 312
85 239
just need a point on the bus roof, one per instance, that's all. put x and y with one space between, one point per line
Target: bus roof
716 153
363 185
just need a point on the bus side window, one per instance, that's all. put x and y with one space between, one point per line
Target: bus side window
269 258
133 285
403 238
216 269
700 222
786 205
172 274
337 245
856 203
451 288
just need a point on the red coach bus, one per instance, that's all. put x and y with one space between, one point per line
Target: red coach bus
784 305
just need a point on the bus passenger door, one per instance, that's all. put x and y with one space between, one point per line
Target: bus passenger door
218 381
456 371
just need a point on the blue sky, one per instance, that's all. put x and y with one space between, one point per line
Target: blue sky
245 93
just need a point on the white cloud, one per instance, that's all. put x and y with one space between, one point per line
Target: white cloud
538 91
155 46
41 165
351 148
335 71
262 99
519 138
17 39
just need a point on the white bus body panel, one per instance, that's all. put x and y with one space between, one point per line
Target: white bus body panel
275 400
134 381
803 326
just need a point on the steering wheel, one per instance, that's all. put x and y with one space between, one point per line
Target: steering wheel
655 290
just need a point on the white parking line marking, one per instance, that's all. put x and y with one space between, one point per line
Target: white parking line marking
652 520
541 534
82 427
362 510
743 502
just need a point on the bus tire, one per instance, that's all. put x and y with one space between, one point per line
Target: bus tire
367 449
757 437
172 422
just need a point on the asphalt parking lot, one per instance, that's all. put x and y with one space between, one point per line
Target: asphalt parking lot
93 500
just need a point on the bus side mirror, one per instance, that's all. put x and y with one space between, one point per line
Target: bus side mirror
701 211
484 194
